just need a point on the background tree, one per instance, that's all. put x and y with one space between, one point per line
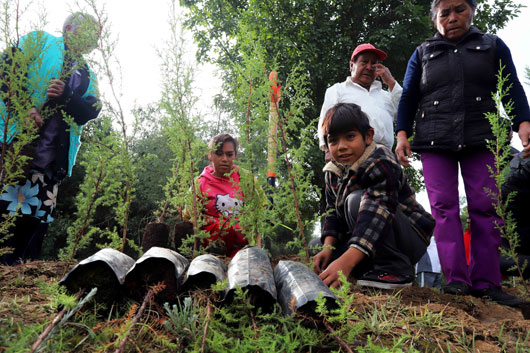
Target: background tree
17 130
321 34
108 186
183 128
284 219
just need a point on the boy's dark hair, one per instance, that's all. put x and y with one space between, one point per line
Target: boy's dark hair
217 142
345 117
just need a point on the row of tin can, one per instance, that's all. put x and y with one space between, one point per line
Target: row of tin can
292 284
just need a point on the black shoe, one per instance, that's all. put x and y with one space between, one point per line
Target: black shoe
456 288
384 280
495 294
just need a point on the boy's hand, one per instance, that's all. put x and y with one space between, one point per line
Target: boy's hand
345 263
321 260
331 275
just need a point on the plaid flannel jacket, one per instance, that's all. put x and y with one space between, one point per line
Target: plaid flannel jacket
385 186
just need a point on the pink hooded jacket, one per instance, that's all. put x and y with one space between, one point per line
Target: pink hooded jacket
224 199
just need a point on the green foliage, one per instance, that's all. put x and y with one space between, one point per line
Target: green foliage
415 176
365 320
23 89
398 346
283 220
108 186
112 189
151 156
15 66
6 222
500 147
319 36
492 16
250 108
253 38
65 208
345 316
65 318
182 127
15 337
183 320
297 138
240 328
108 66
23 338
102 187
60 299
385 324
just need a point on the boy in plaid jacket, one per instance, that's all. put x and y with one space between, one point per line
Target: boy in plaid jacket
374 230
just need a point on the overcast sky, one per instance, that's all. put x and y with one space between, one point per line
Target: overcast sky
142 27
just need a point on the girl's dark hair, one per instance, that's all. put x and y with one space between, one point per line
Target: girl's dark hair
471 3
217 142
345 117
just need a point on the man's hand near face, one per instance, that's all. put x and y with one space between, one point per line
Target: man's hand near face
387 78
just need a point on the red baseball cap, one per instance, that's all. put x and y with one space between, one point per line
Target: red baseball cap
362 48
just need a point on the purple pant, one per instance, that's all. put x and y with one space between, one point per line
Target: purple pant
440 170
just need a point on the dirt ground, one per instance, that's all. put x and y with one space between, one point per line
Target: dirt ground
483 320
21 300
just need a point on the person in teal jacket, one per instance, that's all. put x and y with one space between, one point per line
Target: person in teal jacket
47 87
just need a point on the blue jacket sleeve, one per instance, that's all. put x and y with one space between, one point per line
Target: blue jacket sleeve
521 110
82 108
410 97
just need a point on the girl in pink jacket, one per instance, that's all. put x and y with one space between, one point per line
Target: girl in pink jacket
219 185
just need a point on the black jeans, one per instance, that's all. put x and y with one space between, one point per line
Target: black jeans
397 252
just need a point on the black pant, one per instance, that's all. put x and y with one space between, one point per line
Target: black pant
523 254
26 240
395 252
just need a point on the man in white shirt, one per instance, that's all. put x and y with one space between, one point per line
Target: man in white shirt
362 89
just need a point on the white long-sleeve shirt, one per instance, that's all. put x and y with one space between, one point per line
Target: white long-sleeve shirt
380 106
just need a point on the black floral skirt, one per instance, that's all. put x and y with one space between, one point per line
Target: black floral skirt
35 196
